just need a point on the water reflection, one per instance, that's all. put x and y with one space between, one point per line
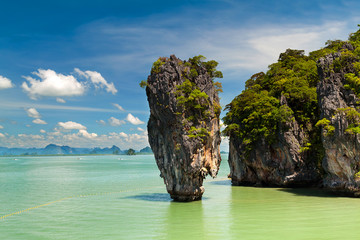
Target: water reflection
184 221
310 192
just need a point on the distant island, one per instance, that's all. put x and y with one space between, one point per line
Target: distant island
53 149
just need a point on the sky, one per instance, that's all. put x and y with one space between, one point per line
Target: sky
70 70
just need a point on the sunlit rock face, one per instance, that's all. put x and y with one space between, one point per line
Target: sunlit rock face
342 149
183 128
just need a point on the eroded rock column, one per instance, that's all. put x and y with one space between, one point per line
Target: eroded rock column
184 131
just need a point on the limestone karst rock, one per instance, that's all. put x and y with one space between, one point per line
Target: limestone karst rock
342 147
278 137
280 163
270 125
183 128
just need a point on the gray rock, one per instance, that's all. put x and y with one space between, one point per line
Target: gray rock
342 150
183 160
278 164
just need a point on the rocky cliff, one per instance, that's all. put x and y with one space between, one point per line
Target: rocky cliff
270 125
184 131
298 124
339 106
280 163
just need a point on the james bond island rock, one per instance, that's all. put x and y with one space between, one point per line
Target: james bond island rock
184 131
270 125
339 102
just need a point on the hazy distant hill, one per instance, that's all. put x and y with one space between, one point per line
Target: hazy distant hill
53 149
146 150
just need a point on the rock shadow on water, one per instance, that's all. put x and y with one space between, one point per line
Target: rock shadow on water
156 197
312 192
152 197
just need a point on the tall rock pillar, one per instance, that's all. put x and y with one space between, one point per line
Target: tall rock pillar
184 131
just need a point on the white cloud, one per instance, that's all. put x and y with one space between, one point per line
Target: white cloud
115 122
222 125
2 135
33 113
52 84
102 122
122 134
42 131
255 45
70 125
140 129
1 127
31 136
5 83
39 121
85 134
97 80
133 120
60 100
82 138
118 107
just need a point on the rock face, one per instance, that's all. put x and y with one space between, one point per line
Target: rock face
342 150
184 125
278 164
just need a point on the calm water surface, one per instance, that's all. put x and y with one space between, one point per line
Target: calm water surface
123 197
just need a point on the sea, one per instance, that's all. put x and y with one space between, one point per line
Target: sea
123 197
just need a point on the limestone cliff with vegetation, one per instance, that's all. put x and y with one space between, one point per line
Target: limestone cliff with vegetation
298 124
184 131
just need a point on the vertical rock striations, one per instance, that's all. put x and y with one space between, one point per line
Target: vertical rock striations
184 131
340 118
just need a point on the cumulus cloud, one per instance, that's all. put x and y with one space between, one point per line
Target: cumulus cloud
102 122
97 80
70 125
118 107
42 131
133 120
122 134
82 138
140 129
60 100
33 113
31 136
2 135
5 83
52 84
85 134
1 127
115 122
39 121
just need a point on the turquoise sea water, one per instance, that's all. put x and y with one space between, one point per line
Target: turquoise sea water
123 197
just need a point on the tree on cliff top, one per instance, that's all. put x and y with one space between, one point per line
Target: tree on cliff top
257 112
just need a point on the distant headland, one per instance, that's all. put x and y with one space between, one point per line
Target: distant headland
53 149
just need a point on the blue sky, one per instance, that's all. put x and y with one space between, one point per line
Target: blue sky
70 70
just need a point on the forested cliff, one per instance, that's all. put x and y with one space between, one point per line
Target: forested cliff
298 123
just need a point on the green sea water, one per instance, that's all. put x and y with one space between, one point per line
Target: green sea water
123 197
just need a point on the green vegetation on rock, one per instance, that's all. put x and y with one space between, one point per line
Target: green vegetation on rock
353 117
258 111
287 92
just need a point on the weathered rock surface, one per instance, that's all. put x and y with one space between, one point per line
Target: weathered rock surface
278 164
342 150
183 155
